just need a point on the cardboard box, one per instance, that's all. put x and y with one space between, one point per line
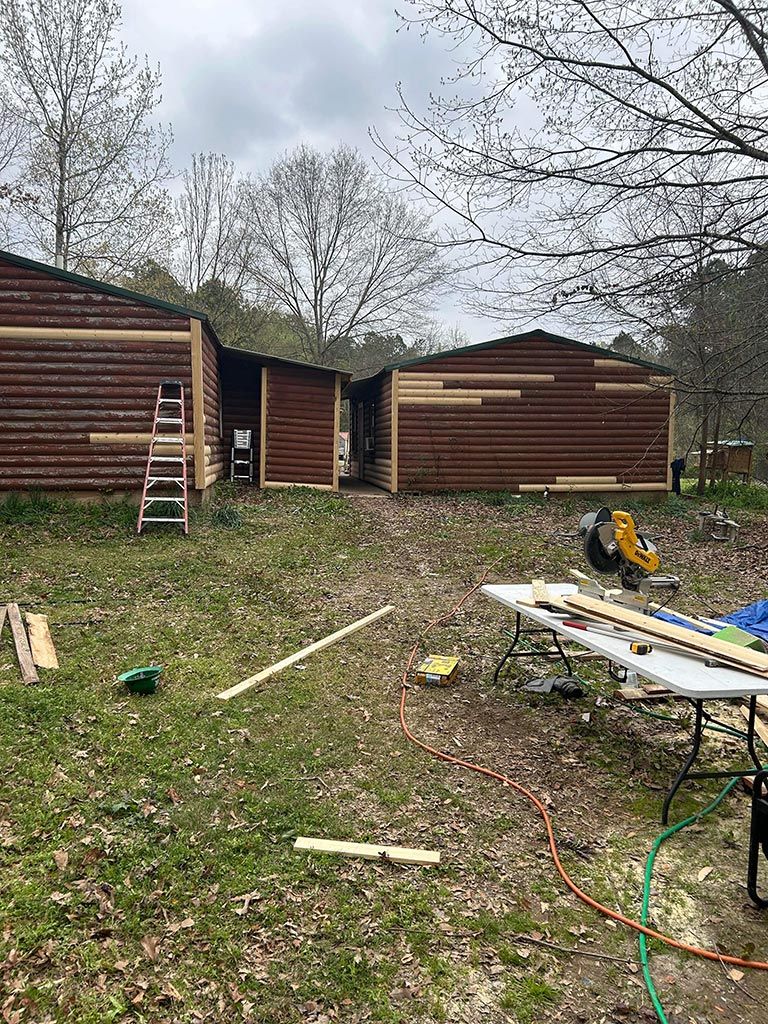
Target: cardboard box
437 670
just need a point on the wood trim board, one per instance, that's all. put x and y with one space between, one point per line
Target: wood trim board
395 431
369 851
118 438
336 429
263 426
198 408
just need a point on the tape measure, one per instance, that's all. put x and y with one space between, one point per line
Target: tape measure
637 647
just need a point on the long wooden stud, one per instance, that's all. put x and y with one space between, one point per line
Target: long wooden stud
394 440
368 851
263 427
23 653
41 641
336 429
741 657
564 488
304 653
198 407
760 727
90 334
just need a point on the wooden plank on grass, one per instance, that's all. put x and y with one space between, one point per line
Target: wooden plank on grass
760 727
368 851
740 657
3 610
40 641
23 653
305 652
636 694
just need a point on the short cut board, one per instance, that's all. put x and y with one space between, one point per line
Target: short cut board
368 851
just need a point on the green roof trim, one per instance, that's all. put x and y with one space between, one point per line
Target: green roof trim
527 336
267 358
91 282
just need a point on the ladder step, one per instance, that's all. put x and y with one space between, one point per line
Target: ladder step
166 480
173 401
174 501
163 519
165 439
169 419
165 458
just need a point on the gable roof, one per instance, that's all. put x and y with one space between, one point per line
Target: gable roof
556 339
102 286
267 359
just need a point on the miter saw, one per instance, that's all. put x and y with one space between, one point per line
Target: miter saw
612 546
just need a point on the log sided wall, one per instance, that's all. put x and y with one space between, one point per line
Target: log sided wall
79 370
301 440
529 415
377 465
216 452
241 406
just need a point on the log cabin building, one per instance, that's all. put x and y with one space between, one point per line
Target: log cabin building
526 413
80 365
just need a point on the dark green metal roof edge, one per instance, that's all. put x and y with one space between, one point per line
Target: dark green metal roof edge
268 357
526 336
91 282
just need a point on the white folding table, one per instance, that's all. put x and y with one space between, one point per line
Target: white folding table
682 673
685 674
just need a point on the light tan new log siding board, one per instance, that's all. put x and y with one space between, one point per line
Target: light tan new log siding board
58 389
561 425
301 446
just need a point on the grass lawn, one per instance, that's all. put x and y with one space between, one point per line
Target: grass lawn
146 862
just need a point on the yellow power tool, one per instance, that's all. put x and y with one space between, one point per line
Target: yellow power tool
612 546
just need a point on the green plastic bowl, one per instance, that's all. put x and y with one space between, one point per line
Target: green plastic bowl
142 680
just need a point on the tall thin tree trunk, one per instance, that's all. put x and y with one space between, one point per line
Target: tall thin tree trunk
60 240
703 443
715 445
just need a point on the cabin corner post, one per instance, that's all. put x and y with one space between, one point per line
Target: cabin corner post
336 428
263 427
393 483
198 411
670 436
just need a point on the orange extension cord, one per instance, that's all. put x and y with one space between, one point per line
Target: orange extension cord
708 954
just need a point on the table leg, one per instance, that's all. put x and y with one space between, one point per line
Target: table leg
508 652
683 773
758 837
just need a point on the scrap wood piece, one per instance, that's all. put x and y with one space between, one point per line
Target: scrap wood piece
23 653
688 641
760 700
760 727
41 641
3 610
246 684
396 854
631 694
540 592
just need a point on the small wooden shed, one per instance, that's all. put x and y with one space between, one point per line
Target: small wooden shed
80 363
529 412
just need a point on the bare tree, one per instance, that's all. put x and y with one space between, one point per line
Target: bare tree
91 155
609 161
337 252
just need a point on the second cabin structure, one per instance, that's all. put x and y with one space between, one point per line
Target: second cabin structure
80 365
526 413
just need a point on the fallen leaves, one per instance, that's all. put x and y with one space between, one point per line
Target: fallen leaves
704 873
61 859
151 947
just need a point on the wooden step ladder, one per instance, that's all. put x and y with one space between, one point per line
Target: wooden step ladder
165 480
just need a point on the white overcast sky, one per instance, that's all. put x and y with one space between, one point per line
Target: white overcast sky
251 78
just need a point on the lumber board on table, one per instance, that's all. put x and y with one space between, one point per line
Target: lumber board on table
41 641
760 727
319 645
540 592
368 851
655 606
739 657
23 653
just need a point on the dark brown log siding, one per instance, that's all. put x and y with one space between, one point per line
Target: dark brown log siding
55 393
301 447
563 427
378 464
241 390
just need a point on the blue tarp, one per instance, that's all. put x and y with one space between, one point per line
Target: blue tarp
753 618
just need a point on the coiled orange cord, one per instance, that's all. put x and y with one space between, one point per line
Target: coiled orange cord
707 954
